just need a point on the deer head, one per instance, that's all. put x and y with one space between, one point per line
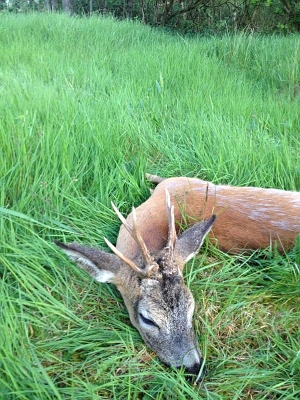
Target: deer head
160 305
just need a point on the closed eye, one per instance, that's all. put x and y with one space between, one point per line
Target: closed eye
147 321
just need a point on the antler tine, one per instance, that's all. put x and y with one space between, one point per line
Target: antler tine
123 220
138 238
172 236
129 262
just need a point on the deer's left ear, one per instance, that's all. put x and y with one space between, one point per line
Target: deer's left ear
102 266
188 244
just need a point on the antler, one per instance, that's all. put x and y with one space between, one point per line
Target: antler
170 266
150 264
172 236
129 262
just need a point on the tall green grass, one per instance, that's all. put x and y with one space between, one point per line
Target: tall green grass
86 107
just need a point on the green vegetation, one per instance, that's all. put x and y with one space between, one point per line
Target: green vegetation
87 106
185 15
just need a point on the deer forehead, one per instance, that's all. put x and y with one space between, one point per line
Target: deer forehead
168 296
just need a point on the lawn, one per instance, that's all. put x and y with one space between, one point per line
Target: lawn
87 106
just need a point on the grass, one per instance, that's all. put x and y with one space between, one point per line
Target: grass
87 106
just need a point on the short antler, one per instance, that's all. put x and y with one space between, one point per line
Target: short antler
134 232
129 262
172 236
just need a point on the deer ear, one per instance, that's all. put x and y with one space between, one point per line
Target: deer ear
102 266
188 244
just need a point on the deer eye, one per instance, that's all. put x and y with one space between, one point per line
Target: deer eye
147 321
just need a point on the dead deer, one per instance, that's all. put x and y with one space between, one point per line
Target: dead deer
159 304
149 258
248 218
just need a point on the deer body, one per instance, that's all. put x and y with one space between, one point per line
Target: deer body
149 258
248 218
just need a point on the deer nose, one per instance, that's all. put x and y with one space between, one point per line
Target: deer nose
196 368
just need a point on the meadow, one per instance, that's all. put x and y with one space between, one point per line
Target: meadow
87 106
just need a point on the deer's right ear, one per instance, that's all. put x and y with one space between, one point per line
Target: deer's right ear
102 266
189 243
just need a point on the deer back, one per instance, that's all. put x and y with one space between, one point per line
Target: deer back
248 218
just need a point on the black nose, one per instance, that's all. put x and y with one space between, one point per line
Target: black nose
197 368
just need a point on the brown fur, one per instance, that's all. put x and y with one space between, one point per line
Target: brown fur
248 218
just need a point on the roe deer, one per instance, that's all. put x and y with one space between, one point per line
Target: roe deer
248 218
160 305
